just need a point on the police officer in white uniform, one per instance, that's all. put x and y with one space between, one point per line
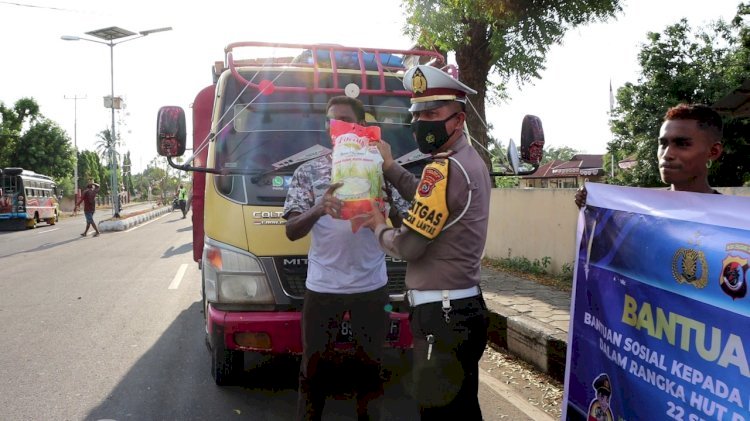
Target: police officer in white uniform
442 239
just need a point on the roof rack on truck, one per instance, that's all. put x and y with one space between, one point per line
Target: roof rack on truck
325 58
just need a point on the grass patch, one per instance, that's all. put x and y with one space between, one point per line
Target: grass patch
537 270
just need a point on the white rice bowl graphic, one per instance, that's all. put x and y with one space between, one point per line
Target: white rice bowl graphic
354 188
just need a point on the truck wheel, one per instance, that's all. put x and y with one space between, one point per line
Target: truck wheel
52 221
31 223
226 365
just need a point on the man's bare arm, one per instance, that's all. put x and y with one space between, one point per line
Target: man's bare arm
299 224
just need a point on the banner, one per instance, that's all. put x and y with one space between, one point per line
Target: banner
660 316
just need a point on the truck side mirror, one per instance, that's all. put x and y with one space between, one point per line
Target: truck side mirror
532 140
170 131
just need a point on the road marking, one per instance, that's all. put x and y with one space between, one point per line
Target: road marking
46 231
178 277
146 223
512 397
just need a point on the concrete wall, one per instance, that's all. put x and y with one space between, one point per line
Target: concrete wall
533 223
539 223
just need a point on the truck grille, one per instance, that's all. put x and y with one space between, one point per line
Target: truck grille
292 272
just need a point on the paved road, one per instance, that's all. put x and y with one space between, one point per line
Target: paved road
111 328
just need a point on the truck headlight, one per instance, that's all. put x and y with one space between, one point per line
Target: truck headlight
234 276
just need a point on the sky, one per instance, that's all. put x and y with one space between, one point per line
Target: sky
169 68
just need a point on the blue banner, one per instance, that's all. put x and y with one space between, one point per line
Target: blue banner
660 316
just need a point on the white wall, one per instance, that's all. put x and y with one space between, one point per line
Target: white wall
539 223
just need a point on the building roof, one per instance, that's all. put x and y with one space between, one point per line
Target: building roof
735 103
579 165
544 171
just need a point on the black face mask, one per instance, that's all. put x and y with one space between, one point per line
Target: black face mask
431 135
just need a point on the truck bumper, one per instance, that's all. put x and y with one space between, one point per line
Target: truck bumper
276 332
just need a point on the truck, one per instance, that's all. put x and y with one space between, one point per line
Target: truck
264 115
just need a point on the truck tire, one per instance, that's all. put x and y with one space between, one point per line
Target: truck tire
226 364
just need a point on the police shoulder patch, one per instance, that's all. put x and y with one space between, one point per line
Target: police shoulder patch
429 209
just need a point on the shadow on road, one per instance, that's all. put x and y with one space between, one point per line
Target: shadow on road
172 381
45 246
172 251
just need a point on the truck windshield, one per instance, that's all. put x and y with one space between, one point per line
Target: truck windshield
264 142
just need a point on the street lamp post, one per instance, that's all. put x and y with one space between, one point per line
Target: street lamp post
75 99
110 35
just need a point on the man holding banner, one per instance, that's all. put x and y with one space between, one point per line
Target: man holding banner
660 290
689 143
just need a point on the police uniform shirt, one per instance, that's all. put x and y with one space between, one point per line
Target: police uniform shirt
452 260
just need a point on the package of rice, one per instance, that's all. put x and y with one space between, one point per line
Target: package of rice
358 165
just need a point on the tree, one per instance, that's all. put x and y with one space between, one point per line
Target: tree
106 147
508 38
683 65
31 141
90 168
25 110
498 156
45 149
127 175
563 153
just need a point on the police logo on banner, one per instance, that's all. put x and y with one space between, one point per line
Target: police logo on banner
689 267
733 278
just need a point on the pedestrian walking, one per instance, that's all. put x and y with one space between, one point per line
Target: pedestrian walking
182 197
88 198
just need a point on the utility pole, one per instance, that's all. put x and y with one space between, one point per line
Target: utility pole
75 99
108 37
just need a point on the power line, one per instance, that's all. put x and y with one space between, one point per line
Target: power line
11 3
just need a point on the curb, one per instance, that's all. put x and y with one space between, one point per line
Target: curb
530 340
129 222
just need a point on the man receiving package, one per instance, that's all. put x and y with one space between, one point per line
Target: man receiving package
346 273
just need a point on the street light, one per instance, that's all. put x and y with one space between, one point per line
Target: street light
75 99
110 35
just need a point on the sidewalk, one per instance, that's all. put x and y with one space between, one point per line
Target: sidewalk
528 319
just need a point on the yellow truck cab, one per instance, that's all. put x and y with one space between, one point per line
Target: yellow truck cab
262 117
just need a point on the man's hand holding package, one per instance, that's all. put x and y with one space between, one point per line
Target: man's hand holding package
331 204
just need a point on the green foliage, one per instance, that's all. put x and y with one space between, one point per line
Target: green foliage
509 39
162 179
563 153
31 141
46 149
538 268
127 174
689 65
